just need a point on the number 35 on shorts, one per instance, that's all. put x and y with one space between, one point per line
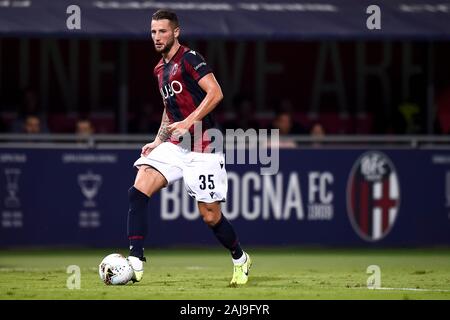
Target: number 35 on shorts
206 181
210 188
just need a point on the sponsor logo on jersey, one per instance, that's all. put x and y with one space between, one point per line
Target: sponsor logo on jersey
199 65
169 90
373 196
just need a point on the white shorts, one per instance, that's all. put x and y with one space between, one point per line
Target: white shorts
204 174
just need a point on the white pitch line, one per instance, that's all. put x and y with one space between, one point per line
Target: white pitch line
195 268
410 289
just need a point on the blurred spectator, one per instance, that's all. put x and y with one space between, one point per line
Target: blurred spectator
317 134
84 127
244 114
284 123
284 119
29 107
32 124
317 130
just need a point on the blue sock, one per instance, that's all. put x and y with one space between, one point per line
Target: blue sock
225 233
137 221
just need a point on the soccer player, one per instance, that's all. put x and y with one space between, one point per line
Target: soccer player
190 92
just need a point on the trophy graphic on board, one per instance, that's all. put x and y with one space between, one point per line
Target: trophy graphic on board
89 184
12 187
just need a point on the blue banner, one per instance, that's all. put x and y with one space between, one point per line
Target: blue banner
232 19
331 197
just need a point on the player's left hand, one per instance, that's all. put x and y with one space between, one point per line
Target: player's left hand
178 129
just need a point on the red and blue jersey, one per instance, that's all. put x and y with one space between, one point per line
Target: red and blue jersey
178 84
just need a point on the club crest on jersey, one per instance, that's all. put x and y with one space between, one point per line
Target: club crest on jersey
174 69
169 90
373 196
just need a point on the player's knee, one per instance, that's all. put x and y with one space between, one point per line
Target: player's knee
211 218
144 183
149 180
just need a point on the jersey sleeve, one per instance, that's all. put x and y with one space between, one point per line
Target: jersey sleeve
196 65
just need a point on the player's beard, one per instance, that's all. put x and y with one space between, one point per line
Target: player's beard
165 49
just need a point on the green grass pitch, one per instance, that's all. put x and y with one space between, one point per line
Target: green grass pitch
288 273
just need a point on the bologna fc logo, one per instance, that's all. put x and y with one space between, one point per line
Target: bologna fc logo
373 196
174 69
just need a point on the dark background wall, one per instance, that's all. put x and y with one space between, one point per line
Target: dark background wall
351 86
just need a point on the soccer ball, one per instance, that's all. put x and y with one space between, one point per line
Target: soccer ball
115 269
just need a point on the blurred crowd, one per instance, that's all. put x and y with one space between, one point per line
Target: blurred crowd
283 115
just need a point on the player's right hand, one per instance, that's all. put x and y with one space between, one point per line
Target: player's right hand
148 148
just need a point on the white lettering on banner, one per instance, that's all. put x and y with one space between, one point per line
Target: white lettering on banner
233 186
12 219
13 158
189 209
217 6
318 187
319 7
248 214
139 5
272 196
89 219
170 196
440 159
254 196
89 158
429 7
293 198
319 196
15 4
447 192
313 186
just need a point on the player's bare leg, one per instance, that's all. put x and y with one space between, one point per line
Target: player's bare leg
148 181
224 232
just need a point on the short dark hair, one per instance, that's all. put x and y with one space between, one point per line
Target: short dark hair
166 14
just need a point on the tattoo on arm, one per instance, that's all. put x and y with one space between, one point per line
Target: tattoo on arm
163 133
